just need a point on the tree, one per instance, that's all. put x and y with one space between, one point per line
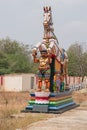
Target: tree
77 61
84 64
14 57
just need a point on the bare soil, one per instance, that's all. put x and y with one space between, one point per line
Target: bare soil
71 120
11 103
75 119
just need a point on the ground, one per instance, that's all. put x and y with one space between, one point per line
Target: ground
12 103
75 119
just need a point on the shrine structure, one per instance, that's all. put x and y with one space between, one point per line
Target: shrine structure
52 94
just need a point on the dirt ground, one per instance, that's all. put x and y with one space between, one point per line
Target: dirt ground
75 119
11 118
71 120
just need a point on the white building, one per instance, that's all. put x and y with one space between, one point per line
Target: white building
18 82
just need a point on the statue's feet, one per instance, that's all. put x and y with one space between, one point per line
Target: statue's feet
47 90
38 90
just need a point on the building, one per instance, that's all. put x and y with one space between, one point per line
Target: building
18 82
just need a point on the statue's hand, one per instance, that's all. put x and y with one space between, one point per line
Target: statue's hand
49 54
34 54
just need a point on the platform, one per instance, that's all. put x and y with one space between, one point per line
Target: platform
46 102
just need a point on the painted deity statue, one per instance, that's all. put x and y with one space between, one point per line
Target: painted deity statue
44 69
50 45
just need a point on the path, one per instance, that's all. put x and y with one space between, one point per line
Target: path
75 119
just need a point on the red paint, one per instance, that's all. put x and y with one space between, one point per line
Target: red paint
1 80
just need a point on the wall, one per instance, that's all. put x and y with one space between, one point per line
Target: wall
27 82
12 83
18 82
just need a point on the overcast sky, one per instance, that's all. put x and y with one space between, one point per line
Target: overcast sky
22 20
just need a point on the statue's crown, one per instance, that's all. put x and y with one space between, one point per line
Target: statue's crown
47 9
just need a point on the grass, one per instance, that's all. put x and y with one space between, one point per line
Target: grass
8 123
13 103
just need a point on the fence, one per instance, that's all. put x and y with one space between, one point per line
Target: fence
75 83
76 87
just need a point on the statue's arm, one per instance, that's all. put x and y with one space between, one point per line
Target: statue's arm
35 58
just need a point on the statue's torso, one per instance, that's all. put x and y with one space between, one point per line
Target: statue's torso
43 63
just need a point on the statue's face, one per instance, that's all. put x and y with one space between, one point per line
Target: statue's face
44 54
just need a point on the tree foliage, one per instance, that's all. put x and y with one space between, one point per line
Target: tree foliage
14 57
77 65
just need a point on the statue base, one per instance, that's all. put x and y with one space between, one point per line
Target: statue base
47 102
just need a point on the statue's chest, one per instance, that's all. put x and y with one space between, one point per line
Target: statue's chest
43 62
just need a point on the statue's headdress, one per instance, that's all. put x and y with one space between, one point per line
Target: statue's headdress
47 9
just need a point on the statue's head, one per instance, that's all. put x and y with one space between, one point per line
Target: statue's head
47 16
44 53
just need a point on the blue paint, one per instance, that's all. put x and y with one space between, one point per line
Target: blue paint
29 107
32 94
62 106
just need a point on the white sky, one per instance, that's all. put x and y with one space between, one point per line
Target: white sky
22 20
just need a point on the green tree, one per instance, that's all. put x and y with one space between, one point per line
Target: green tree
77 65
14 57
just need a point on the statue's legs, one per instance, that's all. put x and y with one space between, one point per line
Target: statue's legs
39 84
44 75
39 81
47 84
47 80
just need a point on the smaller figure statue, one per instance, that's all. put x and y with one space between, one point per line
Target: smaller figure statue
62 84
44 69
